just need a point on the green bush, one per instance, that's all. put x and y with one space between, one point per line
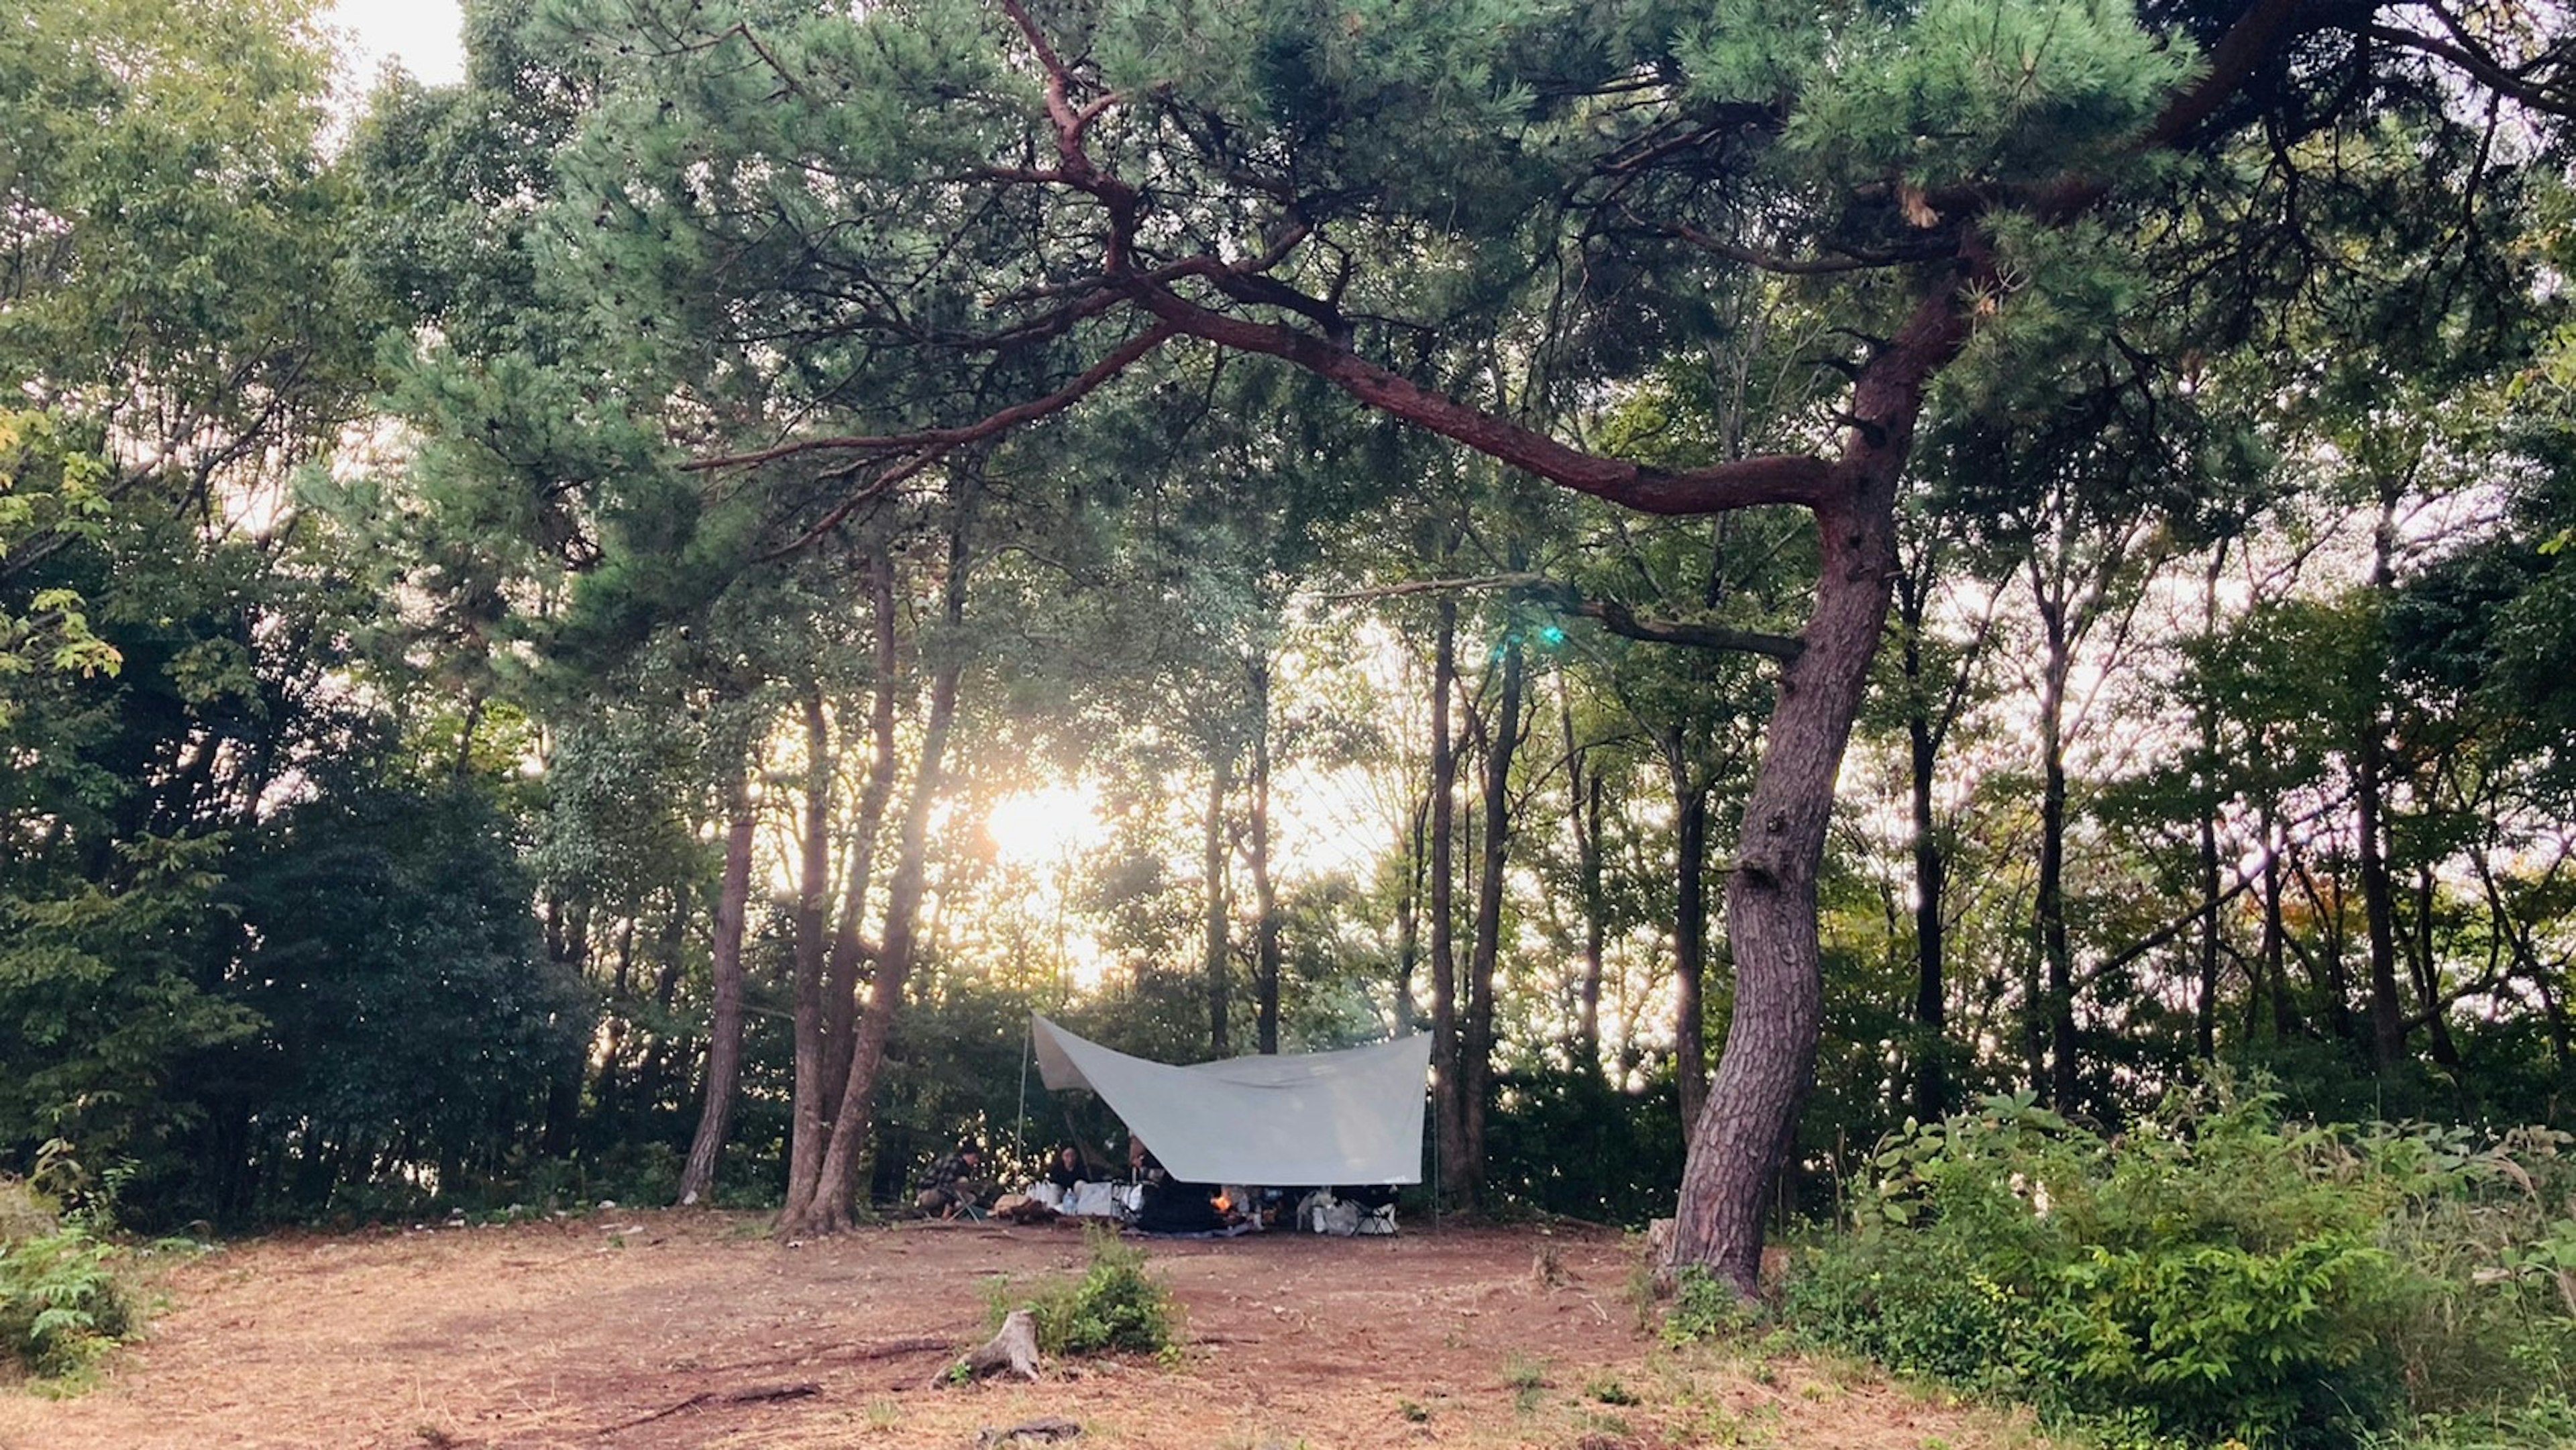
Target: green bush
60 1304
1705 1307
2211 1275
1115 1305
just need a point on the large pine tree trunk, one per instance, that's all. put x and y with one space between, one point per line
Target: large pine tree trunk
724 1047
1475 1078
1744 1133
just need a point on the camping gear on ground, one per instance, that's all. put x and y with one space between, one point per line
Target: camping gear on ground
1371 1214
1022 1208
1349 1117
1172 1207
1096 1200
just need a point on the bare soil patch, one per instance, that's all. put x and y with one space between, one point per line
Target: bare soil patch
671 1329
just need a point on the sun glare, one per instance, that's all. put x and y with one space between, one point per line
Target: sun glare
1044 827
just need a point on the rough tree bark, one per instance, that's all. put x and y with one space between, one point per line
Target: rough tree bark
830 1209
1769 1060
724 1045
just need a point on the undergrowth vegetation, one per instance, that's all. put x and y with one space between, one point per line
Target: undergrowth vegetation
61 1306
2214 1276
1114 1305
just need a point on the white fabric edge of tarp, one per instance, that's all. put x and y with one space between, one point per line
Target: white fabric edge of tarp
1350 1117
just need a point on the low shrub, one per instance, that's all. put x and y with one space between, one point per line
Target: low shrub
2211 1275
1114 1306
60 1304
1706 1307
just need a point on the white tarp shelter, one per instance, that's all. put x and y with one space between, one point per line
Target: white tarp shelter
1349 1118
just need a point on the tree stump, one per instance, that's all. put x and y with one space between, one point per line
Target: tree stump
1660 1270
1014 1349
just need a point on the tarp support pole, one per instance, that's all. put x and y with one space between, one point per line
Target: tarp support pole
1028 1049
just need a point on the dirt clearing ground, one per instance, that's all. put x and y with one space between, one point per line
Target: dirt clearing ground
668 1329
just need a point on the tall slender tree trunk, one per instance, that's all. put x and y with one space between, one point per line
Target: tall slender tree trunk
2427 971
1931 883
2369 788
1215 952
2276 933
607 1085
2378 904
653 1073
1927 728
1448 1103
1265 892
2057 959
563 1091
1690 925
1744 1132
2562 1033
832 1203
724 1045
809 1121
1583 811
2205 1022
841 975
1408 921
1476 1076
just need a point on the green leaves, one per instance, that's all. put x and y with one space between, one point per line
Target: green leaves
2209 1274
52 493
60 1304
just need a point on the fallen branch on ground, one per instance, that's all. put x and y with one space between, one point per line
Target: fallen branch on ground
1049 1429
758 1394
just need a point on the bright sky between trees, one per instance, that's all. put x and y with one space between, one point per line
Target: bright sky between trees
420 34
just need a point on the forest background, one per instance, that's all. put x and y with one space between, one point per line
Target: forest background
611 629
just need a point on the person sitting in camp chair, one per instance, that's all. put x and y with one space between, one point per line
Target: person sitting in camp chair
954 1183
